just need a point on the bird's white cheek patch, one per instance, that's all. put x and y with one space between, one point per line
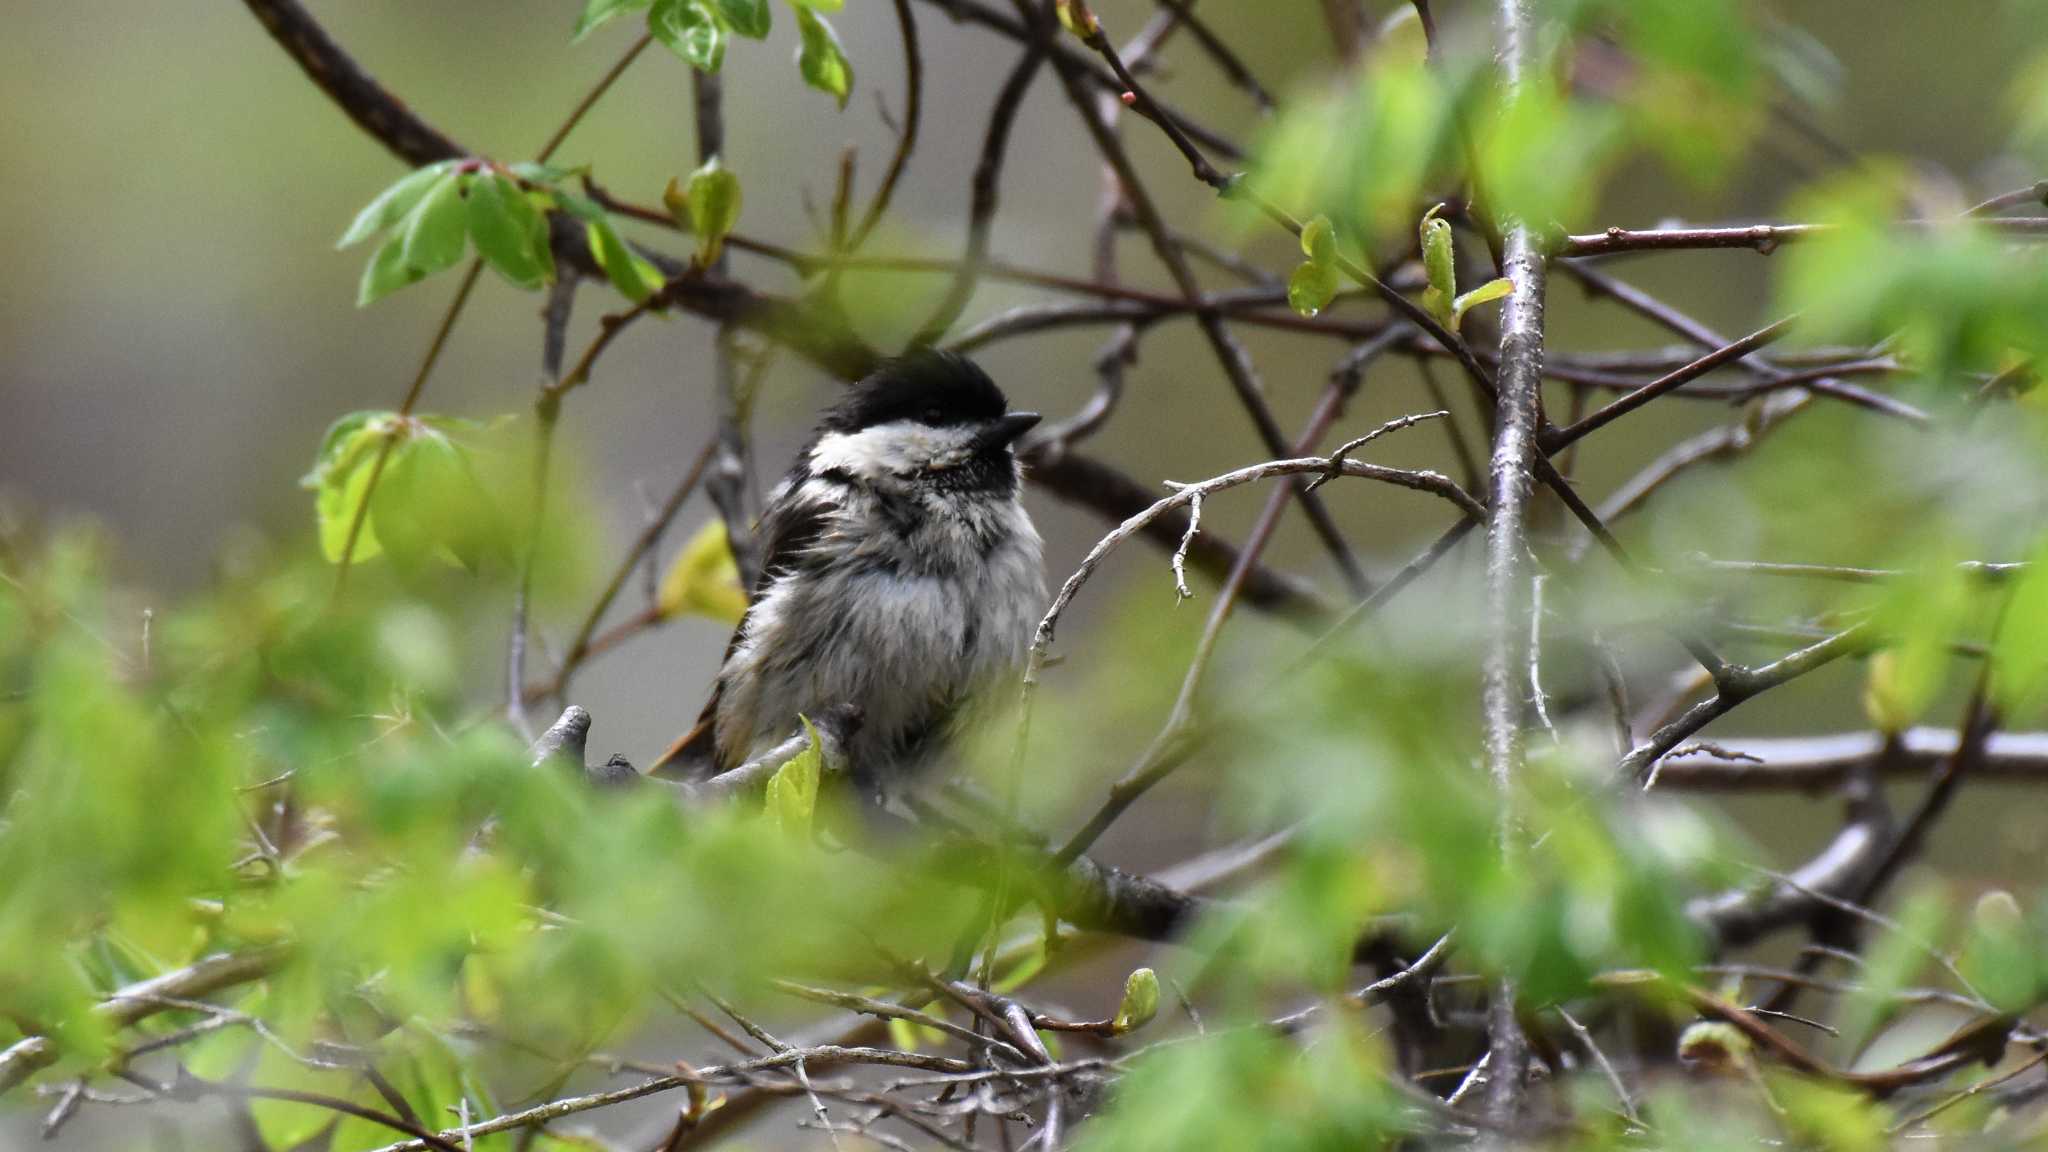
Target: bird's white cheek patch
897 448
877 451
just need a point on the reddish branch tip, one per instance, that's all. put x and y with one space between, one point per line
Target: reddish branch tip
1129 98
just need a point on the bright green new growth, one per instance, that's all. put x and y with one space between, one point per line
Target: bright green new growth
1315 281
819 58
708 206
793 791
1140 1001
433 214
1440 266
428 503
697 31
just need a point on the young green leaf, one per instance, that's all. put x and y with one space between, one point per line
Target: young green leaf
598 12
436 230
1439 265
713 200
1999 953
676 199
430 506
386 272
1319 240
284 1123
340 479
749 18
691 30
581 207
1494 289
1316 280
635 278
703 579
1140 1003
793 791
508 231
545 174
2019 650
819 5
1311 287
340 442
1077 19
392 204
819 58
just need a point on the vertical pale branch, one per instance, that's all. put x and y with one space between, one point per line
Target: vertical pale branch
1510 482
554 341
727 480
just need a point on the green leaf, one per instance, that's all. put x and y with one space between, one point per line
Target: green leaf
1140 1002
545 174
1715 1046
285 1124
508 231
819 57
1833 1117
436 230
1081 23
1998 953
677 201
704 579
749 18
1494 289
1319 240
1439 257
1311 287
386 272
2019 651
339 442
340 479
599 12
793 791
392 204
581 207
712 198
818 5
429 505
691 30
1890 702
635 278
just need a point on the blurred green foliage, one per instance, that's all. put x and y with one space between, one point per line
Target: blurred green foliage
275 767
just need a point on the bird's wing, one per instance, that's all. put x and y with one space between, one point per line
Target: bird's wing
794 522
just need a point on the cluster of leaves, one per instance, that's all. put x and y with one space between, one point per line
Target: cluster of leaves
434 213
698 31
1368 155
428 501
431 885
1391 814
431 216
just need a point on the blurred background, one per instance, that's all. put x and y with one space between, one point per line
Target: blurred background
177 329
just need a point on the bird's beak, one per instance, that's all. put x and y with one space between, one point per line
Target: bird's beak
1005 431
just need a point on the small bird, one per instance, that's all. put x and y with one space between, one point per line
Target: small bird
900 576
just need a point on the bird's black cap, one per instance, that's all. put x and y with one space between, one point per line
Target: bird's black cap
935 388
